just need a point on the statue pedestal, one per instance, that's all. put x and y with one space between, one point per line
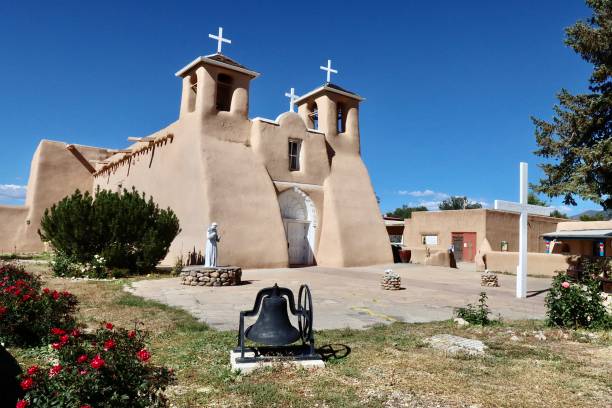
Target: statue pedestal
200 275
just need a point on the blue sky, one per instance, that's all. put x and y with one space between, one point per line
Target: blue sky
450 86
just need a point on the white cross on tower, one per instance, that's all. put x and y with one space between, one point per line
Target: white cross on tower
292 98
329 70
220 39
524 209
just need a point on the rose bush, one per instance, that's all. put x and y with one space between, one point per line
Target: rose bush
577 304
109 368
28 311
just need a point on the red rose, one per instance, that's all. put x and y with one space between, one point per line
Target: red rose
109 326
56 346
56 369
64 339
32 370
143 355
109 344
46 290
85 406
132 334
82 358
3 310
55 295
97 362
27 383
57 331
21 404
26 297
75 333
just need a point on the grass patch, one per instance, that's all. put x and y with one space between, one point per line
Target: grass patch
388 365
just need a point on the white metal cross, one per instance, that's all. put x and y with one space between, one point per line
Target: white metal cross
292 98
329 70
524 208
220 39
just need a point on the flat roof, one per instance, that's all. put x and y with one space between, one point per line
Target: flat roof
580 234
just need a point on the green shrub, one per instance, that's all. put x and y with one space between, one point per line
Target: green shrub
28 311
476 314
125 229
109 368
577 304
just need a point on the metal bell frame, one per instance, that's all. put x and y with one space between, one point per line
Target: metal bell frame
304 314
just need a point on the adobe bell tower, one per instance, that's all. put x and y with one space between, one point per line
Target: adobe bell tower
214 84
334 111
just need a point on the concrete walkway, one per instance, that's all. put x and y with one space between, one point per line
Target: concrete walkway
351 297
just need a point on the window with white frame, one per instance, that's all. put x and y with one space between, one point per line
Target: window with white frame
429 239
294 154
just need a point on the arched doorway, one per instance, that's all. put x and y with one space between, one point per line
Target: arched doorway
299 219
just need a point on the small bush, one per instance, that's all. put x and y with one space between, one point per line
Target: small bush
579 304
476 314
125 229
109 368
27 312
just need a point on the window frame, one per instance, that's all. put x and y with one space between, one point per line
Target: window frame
294 154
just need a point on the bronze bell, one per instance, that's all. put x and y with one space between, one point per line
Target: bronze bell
273 327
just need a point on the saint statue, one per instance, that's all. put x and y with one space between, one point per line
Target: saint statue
212 237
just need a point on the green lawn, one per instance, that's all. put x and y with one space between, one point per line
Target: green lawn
388 366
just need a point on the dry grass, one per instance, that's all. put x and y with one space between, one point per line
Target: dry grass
388 366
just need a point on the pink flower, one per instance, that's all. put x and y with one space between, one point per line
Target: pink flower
75 333
85 406
97 362
27 383
57 331
56 346
132 334
109 344
82 358
64 339
32 370
565 284
21 404
56 369
143 355
83 372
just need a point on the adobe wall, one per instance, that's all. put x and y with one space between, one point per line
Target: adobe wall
491 228
537 264
353 231
504 226
12 219
443 224
54 174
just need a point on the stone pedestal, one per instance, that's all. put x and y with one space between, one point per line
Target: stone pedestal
489 279
200 275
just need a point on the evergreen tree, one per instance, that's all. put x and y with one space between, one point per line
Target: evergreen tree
579 139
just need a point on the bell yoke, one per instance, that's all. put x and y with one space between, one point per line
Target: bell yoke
273 327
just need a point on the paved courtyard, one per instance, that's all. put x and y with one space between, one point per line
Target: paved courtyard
351 297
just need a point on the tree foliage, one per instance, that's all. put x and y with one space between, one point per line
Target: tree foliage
405 212
558 214
532 198
458 203
578 140
124 228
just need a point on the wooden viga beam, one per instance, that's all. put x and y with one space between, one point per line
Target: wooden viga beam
141 139
79 156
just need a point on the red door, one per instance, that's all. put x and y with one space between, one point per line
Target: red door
465 246
469 246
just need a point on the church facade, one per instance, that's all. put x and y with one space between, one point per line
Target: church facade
289 191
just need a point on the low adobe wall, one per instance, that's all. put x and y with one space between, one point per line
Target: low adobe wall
12 220
537 264
435 258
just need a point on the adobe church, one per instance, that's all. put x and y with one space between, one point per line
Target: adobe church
289 191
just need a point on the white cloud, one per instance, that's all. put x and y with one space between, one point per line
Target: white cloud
12 192
425 193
